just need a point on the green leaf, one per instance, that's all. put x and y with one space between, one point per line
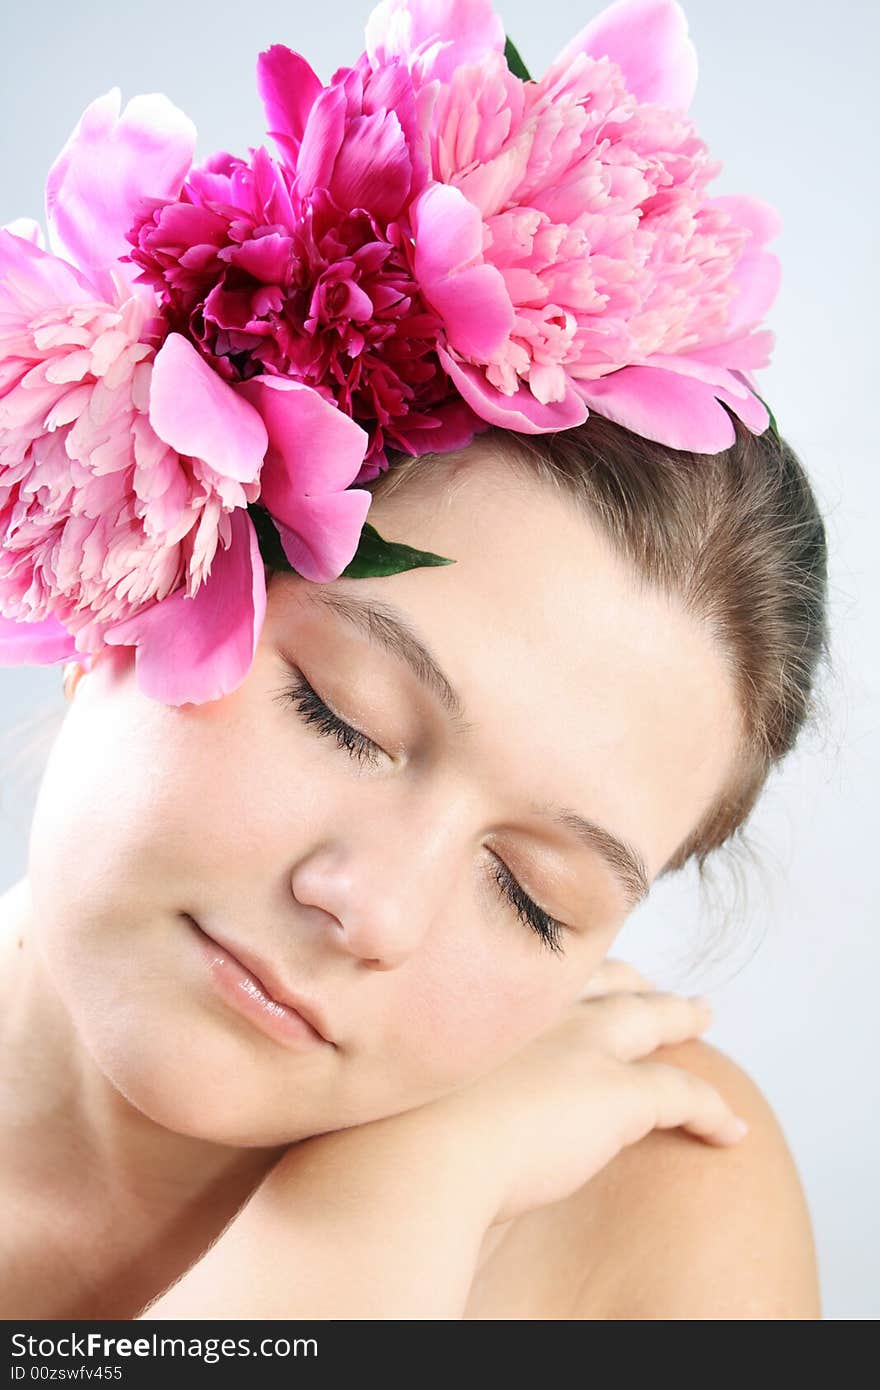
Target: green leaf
268 539
773 425
377 556
374 555
515 62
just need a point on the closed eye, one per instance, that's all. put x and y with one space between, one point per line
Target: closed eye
313 711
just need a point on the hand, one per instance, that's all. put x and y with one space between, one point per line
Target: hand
543 1123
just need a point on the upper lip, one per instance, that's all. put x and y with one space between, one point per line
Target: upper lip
265 976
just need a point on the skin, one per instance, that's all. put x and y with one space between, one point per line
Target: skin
371 888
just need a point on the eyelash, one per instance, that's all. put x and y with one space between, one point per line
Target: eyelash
312 710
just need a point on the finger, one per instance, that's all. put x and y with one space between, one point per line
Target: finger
673 1097
612 976
629 1025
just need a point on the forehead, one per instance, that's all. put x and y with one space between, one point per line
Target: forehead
583 687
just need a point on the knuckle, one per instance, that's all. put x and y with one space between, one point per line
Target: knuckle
623 973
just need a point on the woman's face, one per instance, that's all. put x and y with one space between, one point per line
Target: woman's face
369 882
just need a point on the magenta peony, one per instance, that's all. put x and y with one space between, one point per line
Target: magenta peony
302 267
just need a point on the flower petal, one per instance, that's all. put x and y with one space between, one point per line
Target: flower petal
197 413
315 450
672 409
322 141
312 445
35 644
452 425
33 280
192 650
648 40
373 141
744 353
712 373
107 164
437 35
29 229
758 273
288 87
327 534
521 411
472 299
749 408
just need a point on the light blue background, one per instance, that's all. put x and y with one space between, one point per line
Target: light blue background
784 101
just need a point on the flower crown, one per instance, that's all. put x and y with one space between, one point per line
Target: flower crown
210 358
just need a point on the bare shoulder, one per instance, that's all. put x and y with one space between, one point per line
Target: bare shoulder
676 1227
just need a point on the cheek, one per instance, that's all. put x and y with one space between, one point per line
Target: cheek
142 804
469 1010
108 825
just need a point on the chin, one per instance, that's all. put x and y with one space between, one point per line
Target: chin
186 1076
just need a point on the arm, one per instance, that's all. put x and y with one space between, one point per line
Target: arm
673 1229
382 1220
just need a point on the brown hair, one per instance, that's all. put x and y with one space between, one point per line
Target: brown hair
737 537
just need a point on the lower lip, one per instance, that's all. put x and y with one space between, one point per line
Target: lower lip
247 995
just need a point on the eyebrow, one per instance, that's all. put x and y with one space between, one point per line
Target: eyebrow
387 626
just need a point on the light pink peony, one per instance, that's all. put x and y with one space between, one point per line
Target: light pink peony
126 463
630 289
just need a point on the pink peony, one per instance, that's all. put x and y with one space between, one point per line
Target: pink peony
630 290
438 245
302 268
126 463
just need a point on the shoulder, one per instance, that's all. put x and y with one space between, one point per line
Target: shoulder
675 1227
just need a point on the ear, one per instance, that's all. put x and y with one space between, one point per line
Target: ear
73 672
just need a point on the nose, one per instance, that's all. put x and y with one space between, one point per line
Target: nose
384 884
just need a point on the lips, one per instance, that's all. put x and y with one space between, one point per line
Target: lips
265 977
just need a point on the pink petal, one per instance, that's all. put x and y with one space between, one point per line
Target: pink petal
108 162
288 88
749 409
676 410
648 39
742 354
476 310
448 32
32 280
448 231
315 451
763 219
312 445
521 411
29 229
373 141
711 372
35 644
758 273
453 425
192 650
321 142
392 89
472 299
327 534
197 413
